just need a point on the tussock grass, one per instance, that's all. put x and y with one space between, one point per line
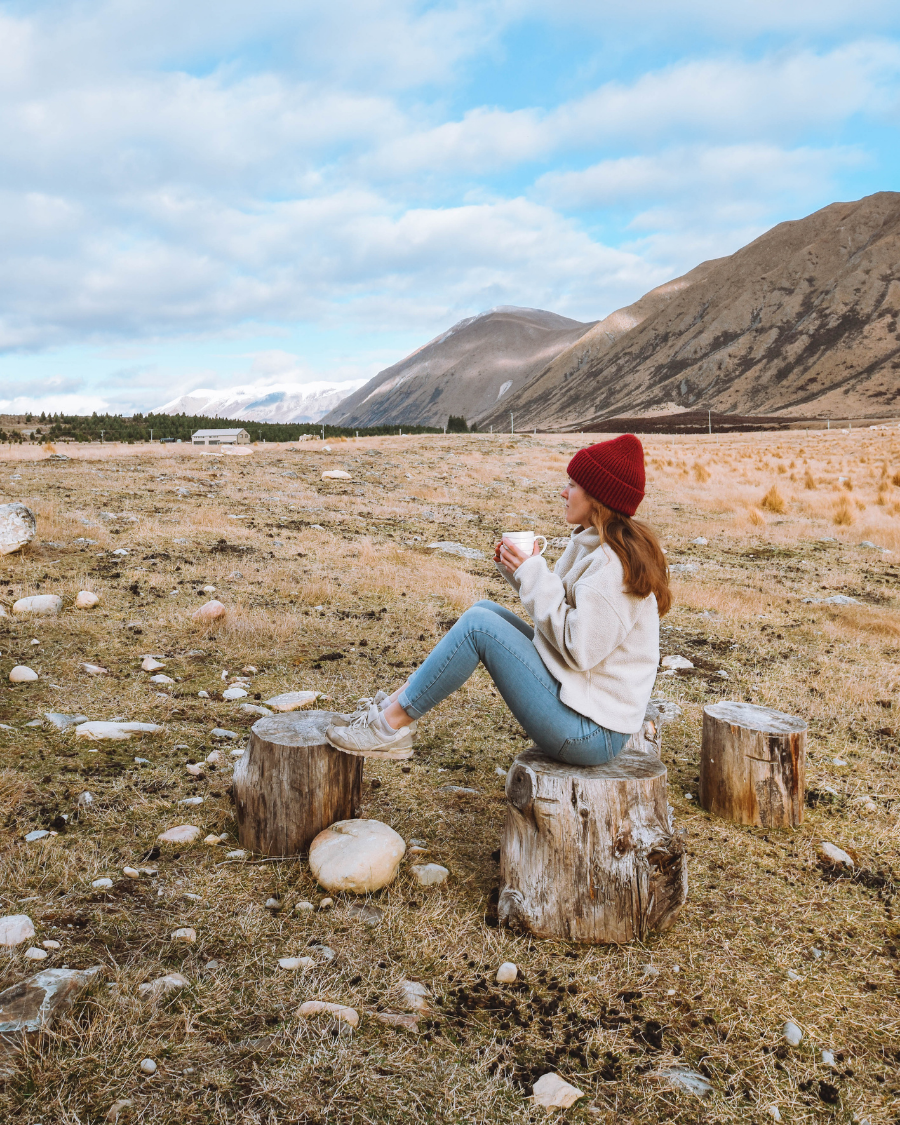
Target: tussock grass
365 585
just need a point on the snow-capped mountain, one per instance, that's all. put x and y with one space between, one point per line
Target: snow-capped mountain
271 402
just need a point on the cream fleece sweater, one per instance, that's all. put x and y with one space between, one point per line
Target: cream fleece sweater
599 642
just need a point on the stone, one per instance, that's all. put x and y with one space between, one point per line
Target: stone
292 700
84 799
151 664
161 679
429 874
326 903
118 1108
210 611
774 1112
553 1092
507 973
30 1007
62 721
86 599
211 840
700 541
51 944
22 674
405 1020
171 982
220 732
209 589
98 732
238 853
186 934
255 709
321 1007
683 1079
45 605
834 856
148 1066
194 770
102 883
35 954
121 551
273 904
676 662
356 855
233 693
336 474
866 805
450 548
363 912
203 695
94 669
181 834
191 801
237 752
414 995
296 962
18 527
792 1033
131 873
828 1058
37 834
303 907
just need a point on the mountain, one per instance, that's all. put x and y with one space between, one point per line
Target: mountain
465 371
803 321
275 402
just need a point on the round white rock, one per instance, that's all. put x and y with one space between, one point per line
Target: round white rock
47 605
22 674
356 855
84 599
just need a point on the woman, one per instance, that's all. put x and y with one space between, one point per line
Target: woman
579 681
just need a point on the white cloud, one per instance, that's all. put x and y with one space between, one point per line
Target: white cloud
54 404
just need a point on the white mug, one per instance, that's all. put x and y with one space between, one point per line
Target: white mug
523 541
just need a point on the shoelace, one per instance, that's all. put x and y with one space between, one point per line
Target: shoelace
365 717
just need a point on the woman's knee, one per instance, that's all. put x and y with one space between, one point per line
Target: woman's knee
485 603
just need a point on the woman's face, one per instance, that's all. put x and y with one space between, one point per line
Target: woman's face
578 504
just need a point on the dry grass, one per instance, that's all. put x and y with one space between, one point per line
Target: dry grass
364 584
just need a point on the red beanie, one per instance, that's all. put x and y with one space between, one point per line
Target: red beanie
612 472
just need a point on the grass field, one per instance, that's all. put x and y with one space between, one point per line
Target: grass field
310 568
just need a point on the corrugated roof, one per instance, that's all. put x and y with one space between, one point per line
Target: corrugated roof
216 433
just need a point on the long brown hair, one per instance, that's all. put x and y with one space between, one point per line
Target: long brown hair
639 552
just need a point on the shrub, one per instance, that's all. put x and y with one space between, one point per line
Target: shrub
895 479
773 501
843 513
757 518
809 481
701 473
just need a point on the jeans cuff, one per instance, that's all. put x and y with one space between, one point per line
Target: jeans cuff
409 708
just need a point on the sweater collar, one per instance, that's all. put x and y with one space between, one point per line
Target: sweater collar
587 538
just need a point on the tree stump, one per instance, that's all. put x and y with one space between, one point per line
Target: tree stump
590 853
290 784
753 765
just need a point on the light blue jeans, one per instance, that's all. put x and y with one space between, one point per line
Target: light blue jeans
494 636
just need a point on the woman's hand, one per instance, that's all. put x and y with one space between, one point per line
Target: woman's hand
510 557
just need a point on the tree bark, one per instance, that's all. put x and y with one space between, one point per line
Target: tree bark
753 765
290 784
590 853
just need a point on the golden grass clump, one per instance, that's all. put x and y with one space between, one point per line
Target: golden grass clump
809 481
701 473
842 515
895 480
757 518
774 502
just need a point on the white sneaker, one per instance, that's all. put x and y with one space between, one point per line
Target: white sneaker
368 735
362 707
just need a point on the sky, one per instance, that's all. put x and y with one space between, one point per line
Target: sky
216 194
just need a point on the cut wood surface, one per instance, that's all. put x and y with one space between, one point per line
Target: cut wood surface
290 784
753 765
590 853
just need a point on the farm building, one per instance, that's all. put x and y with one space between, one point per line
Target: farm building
220 437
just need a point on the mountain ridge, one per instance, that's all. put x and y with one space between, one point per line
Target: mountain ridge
265 402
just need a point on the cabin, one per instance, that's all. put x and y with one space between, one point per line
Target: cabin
220 437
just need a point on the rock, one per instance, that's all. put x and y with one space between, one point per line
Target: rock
62 721
211 611
303 907
363 912
273 904
296 962
450 548
148 1066
51 944
171 982
834 856
121 551
194 770
185 934
209 589
97 732
238 853
161 679
37 834
456 789
151 664
131 873
214 758
86 599
31 1007
234 693
255 709
429 874
237 752
700 541
220 732
181 834
683 1079
84 799
292 700
102 883
336 474
405 1020
326 903
35 954
792 1033
866 805
211 840
414 995
828 1058
191 801
676 662
553 1092
46 605
17 527
507 973
94 669
356 855
203 695
774 1113
321 1007
22 674
118 1108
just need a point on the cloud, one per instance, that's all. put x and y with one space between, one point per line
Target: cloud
54 404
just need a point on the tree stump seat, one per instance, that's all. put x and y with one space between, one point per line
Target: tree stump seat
590 853
290 783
